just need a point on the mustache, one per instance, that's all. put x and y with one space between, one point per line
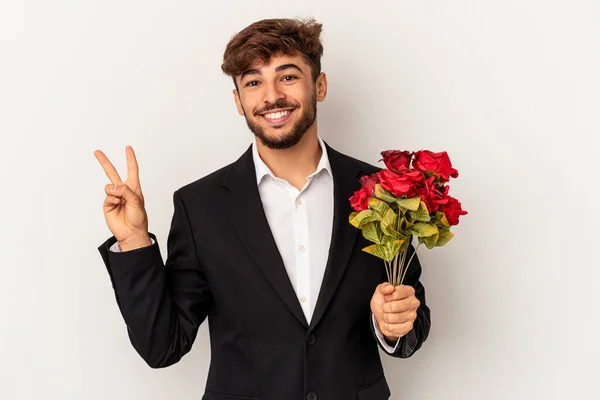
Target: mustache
274 106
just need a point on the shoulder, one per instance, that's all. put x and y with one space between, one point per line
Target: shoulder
352 163
211 185
207 184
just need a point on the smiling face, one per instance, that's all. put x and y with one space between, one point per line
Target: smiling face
279 100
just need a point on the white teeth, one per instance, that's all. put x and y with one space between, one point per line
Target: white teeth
277 115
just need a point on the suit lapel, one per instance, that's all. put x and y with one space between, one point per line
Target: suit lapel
244 207
345 183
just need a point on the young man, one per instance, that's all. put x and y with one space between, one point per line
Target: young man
264 250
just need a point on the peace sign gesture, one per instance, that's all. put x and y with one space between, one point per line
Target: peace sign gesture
124 210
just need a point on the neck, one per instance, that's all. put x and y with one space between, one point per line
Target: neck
296 163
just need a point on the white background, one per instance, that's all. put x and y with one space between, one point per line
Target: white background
509 88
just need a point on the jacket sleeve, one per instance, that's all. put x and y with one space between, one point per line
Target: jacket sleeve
413 340
163 304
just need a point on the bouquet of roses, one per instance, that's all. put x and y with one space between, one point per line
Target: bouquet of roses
408 198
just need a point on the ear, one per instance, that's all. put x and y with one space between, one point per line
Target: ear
238 102
321 85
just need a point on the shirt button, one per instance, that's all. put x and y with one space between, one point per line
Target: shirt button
299 202
302 299
311 339
311 396
301 248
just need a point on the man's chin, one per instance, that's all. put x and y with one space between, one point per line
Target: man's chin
278 141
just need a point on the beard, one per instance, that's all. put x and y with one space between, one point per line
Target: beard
294 134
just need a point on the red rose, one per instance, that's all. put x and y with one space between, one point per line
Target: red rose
405 184
396 160
368 182
433 195
452 210
360 200
439 163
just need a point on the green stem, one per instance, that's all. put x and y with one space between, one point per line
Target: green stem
387 270
394 269
402 261
398 273
415 252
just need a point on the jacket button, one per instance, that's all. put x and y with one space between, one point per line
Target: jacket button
311 339
311 396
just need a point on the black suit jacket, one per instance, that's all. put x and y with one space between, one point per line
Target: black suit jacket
223 264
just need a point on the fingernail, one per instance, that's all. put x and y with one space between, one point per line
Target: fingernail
113 189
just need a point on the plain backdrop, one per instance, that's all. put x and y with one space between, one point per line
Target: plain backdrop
509 88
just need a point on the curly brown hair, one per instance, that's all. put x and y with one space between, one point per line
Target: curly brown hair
271 37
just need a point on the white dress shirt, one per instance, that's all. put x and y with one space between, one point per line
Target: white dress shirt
301 222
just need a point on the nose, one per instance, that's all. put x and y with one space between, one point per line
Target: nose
272 93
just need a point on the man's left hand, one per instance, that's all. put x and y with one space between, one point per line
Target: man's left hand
395 309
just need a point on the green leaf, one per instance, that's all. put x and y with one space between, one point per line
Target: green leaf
352 215
388 224
393 247
441 217
405 225
378 205
421 214
402 228
410 204
372 232
423 229
430 241
383 194
388 239
377 250
387 251
358 220
445 237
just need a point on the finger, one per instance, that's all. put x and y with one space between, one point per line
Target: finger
110 190
125 192
398 318
386 288
400 292
112 201
398 329
109 169
398 306
132 165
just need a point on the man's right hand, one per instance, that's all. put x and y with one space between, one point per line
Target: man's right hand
124 210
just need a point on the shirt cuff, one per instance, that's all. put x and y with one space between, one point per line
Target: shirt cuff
115 248
381 337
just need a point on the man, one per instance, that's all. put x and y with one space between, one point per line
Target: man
263 248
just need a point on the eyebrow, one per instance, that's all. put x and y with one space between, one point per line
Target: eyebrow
256 71
289 66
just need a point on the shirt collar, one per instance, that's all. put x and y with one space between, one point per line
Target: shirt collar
262 169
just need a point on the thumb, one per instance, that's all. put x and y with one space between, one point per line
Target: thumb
125 192
387 288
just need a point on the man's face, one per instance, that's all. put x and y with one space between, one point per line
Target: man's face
279 100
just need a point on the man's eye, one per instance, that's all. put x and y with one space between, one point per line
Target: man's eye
289 78
252 83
